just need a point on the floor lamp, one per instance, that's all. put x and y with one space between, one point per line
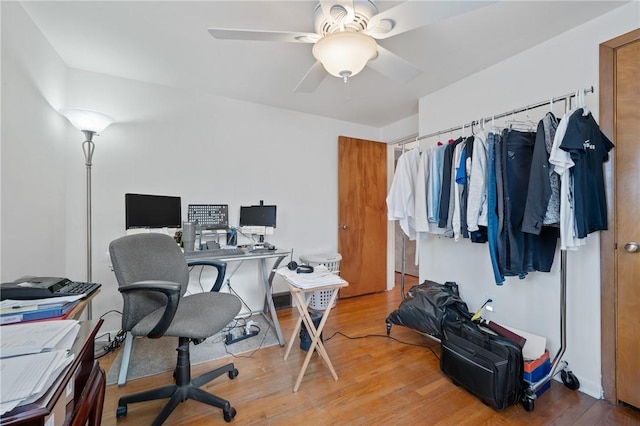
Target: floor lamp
90 123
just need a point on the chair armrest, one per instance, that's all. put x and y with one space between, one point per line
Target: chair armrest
169 289
220 266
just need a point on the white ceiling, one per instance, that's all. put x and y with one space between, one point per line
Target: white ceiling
167 43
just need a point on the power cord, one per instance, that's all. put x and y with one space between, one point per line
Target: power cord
232 291
383 336
113 344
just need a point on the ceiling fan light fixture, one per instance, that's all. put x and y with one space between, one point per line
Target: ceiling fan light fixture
345 53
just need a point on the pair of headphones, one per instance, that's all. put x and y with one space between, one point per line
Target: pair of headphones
300 269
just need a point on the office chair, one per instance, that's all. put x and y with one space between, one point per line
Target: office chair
152 276
128 324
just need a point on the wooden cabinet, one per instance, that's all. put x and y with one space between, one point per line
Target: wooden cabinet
77 395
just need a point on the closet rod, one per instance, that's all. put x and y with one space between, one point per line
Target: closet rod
405 140
506 114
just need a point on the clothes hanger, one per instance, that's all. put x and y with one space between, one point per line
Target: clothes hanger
526 125
582 103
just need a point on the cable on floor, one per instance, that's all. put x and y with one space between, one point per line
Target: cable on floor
383 336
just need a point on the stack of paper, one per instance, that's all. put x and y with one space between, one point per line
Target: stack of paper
32 357
13 311
320 276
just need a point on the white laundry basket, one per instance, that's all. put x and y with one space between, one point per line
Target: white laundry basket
320 299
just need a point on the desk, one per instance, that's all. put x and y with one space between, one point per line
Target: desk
302 297
77 310
269 309
76 396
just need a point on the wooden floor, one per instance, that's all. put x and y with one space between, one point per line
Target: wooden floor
382 381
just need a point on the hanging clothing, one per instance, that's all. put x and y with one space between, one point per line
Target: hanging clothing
445 193
434 183
477 197
514 245
521 191
462 179
589 149
401 198
543 194
563 163
494 139
453 217
421 222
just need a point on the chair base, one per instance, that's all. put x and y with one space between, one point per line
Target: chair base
183 389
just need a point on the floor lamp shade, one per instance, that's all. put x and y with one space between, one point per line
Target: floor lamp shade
84 119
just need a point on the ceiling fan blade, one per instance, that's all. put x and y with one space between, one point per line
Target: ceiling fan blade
393 66
263 35
414 14
311 79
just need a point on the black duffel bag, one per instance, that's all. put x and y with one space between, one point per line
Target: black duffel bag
427 306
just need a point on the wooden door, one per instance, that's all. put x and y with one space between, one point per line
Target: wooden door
628 230
362 215
620 102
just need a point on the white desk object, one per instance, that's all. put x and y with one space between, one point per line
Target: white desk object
302 287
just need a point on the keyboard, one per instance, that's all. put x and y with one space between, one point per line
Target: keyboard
218 252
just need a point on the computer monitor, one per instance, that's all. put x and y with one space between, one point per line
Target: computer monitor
258 216
209 216
152 211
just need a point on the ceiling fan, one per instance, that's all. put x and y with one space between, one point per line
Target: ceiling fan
346 33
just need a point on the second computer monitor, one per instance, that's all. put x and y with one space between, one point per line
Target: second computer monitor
258 219
209 216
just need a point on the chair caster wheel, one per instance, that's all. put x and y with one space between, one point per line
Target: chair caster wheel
121 411
233 373
229 414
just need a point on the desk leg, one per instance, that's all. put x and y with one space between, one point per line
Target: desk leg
270 307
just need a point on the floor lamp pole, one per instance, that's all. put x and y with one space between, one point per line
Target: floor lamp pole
88 147
90 123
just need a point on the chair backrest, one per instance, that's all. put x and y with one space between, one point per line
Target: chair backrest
143 257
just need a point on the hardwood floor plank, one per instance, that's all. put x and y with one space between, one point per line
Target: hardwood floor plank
380 381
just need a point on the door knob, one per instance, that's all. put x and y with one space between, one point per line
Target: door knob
632 247
343 226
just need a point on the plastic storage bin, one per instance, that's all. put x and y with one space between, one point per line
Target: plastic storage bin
320 299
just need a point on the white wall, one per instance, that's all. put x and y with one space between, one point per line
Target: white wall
33 151
559 66
206 149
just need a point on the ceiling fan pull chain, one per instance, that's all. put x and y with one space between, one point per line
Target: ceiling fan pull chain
346 88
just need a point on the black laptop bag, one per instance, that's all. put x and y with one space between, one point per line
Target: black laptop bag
487 365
